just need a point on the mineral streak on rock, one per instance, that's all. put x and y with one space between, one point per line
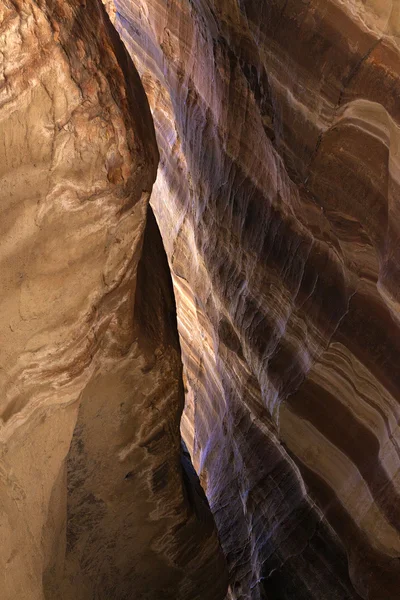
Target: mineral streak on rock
94 501
278 202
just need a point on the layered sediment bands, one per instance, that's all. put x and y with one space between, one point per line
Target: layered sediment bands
278 200
95 502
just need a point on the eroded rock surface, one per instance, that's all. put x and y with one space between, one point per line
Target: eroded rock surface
278 201
94 500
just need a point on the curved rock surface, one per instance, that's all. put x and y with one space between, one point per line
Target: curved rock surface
96 498
278 200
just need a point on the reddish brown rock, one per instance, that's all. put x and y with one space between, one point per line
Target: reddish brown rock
278 201
97 500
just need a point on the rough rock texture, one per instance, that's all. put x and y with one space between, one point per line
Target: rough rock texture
96 499
278 201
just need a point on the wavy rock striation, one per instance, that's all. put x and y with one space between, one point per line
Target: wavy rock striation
278 200
97 499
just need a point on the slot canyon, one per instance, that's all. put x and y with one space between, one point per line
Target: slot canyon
200 300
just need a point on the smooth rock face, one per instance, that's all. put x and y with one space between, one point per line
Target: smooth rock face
278 200
96 499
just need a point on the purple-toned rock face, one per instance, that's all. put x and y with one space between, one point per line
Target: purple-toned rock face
97 501
278 124
278 202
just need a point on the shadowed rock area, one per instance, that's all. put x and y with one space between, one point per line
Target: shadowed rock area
278 201
97 500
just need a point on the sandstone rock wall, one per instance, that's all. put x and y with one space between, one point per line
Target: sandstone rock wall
94 500
278 201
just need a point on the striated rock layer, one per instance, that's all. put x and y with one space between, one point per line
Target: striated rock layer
278 201
96 499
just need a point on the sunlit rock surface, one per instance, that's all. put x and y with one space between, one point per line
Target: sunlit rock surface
96 499
278 201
